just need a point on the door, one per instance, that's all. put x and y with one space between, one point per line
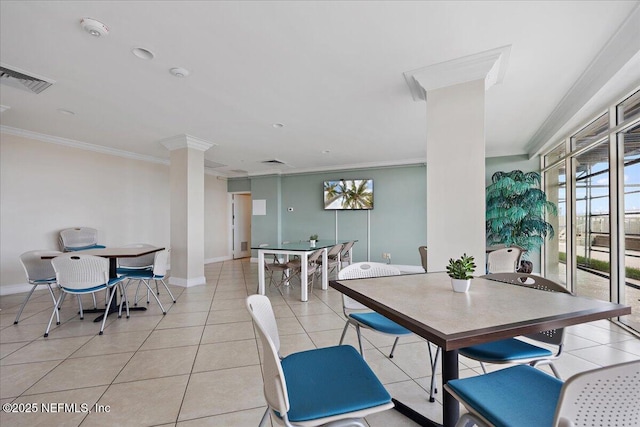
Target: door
241 225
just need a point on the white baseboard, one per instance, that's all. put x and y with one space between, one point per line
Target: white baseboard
187 283
15 289
218 259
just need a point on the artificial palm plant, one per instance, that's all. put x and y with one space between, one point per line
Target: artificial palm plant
516 210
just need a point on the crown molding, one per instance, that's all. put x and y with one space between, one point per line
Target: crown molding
186 141
621 48
490 65
78 144
372 165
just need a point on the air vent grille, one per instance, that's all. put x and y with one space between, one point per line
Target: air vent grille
21 80
273 162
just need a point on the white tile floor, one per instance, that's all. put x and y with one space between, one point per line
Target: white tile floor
200 364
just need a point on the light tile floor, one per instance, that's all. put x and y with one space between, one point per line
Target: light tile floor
200 364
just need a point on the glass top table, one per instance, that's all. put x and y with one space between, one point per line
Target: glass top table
301 248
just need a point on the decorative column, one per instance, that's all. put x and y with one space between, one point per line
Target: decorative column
186 178
454 93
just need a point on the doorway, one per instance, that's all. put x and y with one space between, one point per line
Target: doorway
241 225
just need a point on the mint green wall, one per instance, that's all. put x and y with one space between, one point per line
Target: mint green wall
266 228
398 223
235 185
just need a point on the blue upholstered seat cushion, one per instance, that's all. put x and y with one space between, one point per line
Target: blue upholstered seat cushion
330 381
520 396
82 248
111 283
380 323
135 272
505 350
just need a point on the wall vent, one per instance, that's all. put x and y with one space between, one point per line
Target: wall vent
273 162
24 80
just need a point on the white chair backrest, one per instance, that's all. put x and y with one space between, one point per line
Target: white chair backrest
37 268
362 270
75 271
603 396
275 386
78 237
160 262
139 261
504 260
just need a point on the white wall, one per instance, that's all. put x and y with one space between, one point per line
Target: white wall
46 187
216 220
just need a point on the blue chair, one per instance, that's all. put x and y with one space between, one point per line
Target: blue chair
314 387
361 316
78 274
525 396
514 350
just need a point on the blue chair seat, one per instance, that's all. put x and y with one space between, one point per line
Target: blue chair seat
111 283
82 248
318 387
505 350
380 323
135 271
498 396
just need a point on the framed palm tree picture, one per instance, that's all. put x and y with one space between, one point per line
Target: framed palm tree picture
348 194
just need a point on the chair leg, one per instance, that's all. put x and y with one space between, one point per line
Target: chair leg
555 371
80 305
265 418
106 310
123 299
359 340
168 290
55 311
484 369
434 364
154 295
344 332
395 343
15 322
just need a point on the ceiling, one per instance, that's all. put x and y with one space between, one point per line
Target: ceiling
330 72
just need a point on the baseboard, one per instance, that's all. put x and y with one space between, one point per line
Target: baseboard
218 259
15 289
187 283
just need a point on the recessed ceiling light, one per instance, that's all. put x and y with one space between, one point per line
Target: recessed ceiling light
277 125
179 72
94 27
66 112
142 53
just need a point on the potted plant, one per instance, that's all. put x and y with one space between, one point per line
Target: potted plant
312 240
516 210
460 271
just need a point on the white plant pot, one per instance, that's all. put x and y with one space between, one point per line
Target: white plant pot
460 285
312 243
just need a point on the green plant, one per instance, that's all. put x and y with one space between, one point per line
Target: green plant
516 210
461 268
313 237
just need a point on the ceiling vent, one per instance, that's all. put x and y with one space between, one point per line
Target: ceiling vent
273 162
212 165
23 80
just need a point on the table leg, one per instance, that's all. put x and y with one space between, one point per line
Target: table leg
450 406
325 270
304 279
113 308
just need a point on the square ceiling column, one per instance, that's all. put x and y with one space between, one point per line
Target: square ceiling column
186 178
454 92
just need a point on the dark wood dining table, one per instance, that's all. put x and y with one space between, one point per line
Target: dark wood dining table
489 311
113 254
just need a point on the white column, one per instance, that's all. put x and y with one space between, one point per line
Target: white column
454 92
186 178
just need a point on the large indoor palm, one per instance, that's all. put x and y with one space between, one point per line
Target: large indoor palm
516 210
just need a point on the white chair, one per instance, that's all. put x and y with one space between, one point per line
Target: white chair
504 260
39 272
312 267
361 316
524 396
82 274
144 262
78 239
324 386
514 350
145 276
